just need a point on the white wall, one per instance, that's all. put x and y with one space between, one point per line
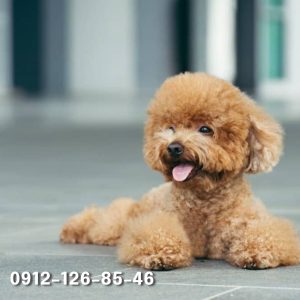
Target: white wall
221 38
287 89
5 75
101 46
293 43
199 35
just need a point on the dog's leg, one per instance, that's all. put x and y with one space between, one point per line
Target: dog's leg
155 240
95 225
264 244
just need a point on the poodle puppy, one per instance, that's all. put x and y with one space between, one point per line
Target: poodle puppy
203 134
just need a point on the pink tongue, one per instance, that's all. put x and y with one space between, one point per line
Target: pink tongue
182 171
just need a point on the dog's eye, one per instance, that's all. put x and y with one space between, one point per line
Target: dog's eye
205 130
172 128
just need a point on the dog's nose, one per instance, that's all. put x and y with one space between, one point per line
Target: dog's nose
175 149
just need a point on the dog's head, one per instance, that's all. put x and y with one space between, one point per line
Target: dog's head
202 130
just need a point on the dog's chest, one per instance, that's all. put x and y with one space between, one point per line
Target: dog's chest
190 211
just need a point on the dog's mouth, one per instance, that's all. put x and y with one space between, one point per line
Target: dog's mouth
184 171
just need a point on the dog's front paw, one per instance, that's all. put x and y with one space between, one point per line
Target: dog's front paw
156 257
67 234
72 232
155 262
162 261
155 241
255 261
76 229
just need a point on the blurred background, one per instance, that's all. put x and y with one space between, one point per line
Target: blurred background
76 77
112 53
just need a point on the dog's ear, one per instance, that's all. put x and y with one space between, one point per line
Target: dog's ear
265 140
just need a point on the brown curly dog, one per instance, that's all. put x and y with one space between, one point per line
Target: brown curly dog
203 134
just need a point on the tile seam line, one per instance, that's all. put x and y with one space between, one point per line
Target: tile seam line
120 270
222 293
230 286
46 254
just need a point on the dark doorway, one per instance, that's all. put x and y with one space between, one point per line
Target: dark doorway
26 19
245 45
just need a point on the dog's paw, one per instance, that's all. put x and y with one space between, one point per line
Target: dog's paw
78 228
72 232
69 235
163 259
160 262
257 261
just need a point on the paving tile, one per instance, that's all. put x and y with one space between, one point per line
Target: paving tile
54 247
221 273
129 291
51 171
265 294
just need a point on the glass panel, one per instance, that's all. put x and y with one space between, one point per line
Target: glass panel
276 48
271 39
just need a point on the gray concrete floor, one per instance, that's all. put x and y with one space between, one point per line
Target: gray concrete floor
52 165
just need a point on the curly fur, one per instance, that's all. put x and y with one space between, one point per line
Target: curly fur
213 214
